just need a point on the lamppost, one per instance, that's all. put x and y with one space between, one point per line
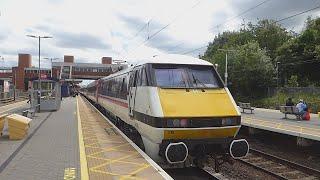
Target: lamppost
39 72
51 59
226 68
278 64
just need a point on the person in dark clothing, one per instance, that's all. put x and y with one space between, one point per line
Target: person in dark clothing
289 102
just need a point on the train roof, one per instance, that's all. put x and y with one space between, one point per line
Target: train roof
173 59
163 59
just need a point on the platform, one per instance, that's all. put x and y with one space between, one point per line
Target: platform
109 154
273 120
75 142
50 149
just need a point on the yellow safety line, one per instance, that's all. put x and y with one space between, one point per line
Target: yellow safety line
83 159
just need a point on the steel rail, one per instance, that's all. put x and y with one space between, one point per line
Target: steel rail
299 167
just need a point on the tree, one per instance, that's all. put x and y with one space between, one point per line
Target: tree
251 71
300 56
293 81
270 36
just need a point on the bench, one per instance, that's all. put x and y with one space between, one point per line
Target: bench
290 110
244 106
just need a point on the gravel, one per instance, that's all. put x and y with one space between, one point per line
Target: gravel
284 146
239 171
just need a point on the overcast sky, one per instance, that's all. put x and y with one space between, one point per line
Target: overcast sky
90 29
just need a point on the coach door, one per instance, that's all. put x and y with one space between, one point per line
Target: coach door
132 90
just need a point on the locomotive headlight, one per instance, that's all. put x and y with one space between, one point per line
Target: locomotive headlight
176 123
228 121
184 122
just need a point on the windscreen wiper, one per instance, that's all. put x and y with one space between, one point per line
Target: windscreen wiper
197 80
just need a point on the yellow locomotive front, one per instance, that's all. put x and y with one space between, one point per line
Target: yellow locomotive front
200 117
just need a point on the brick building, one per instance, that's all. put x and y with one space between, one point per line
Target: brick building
66 70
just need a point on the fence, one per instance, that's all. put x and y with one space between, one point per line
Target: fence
11 94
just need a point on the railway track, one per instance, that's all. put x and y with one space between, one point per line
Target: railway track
193 173
279 167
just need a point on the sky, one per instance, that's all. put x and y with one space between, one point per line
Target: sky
91 29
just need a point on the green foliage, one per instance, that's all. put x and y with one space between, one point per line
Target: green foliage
270 36
252 67
294 53
293 81
313 100
251 71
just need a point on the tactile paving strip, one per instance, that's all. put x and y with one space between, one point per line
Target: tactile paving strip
108 154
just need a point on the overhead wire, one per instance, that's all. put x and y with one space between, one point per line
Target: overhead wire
166 26
240 14
283 19
300 13
232 18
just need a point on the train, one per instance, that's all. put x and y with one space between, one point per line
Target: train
177 105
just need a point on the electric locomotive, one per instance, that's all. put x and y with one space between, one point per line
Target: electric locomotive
177 104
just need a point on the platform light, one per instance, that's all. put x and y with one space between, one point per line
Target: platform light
39 70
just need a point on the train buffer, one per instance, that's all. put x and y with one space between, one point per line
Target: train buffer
73 143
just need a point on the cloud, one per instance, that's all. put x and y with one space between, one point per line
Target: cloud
79 41
136 24
275 9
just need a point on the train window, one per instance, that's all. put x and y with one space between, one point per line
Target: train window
138 78
123 92
135 78
173 77
144 80
203 76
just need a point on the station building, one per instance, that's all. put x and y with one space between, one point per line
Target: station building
68 70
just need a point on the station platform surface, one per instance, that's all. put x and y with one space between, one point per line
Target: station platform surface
108 153
75 142
273 120
51 149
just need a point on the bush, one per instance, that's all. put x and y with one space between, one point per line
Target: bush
313 101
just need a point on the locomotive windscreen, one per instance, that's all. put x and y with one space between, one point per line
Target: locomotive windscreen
186 76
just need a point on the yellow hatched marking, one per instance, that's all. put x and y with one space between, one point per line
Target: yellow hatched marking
94 132
69 173
115 160
140 169
106 159
121 176
279 125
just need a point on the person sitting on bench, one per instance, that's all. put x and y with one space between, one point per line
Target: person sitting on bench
302 107
289 102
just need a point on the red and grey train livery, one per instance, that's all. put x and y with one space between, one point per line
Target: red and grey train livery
178 105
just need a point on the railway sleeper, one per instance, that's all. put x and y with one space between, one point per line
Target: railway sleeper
252 158
263 163
308 178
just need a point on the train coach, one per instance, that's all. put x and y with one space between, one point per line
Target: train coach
179 107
